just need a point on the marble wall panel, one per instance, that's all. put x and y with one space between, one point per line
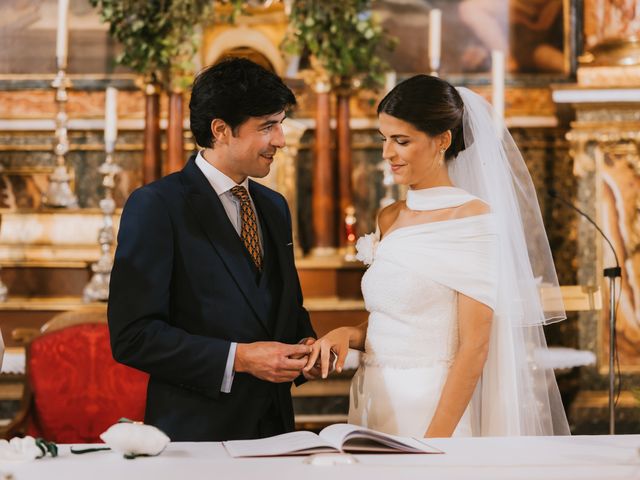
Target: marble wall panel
40 104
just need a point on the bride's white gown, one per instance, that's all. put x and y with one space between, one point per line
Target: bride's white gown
411 291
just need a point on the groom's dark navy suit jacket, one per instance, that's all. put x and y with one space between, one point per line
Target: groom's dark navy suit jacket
183 287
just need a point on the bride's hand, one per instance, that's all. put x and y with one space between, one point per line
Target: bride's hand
326 349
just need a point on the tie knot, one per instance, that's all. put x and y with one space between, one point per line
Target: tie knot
240 192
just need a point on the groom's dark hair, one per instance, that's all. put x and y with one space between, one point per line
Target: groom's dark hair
234 90
431 105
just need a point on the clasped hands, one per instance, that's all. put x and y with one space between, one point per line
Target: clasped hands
280 362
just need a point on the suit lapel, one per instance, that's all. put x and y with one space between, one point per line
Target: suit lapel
213 218
270 221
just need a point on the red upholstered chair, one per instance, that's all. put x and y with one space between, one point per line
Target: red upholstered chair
75 390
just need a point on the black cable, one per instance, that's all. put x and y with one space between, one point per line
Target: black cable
553 194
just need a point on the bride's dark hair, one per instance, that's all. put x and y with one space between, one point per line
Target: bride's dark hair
431 105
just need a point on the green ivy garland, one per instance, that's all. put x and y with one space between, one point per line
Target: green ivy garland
345 38
159 37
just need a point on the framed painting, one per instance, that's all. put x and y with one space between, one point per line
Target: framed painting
536 36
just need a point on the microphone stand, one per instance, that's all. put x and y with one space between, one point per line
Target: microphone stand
611 273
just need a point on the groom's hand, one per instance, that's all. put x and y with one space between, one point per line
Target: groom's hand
315 372
272 361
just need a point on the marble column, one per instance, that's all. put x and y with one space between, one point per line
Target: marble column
324 170
151 161
345 167
175 134
284 172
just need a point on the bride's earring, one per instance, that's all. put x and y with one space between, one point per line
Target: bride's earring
441 161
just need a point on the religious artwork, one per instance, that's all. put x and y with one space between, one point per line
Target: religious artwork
610 19
28 36
529 32
620 217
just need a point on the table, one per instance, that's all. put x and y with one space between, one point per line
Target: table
516 458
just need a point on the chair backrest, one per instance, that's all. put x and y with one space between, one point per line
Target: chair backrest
87 314
78 389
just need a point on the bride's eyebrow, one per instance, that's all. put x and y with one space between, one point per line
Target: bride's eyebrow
397 135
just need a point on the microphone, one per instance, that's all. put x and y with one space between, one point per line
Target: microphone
611 272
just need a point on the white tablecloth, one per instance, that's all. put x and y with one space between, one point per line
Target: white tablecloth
540 458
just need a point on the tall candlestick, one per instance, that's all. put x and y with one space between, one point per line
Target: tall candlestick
97 290
62 36
111 118
497 82
435 34
59 194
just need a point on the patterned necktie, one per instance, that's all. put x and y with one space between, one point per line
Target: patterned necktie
249 230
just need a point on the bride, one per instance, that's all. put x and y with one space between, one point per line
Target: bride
454 335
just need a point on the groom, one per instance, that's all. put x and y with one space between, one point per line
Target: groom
204 293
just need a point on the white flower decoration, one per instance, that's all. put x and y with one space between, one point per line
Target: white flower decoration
20 449
366 247
135 439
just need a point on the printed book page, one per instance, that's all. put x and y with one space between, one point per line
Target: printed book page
354 438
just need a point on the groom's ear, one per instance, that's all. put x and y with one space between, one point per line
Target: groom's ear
219 130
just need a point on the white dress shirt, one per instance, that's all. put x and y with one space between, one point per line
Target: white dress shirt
222 186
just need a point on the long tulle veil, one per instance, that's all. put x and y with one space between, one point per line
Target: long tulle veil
516 395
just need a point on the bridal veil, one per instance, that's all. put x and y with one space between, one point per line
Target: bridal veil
516 394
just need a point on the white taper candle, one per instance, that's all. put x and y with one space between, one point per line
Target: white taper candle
390 79
435 36
62 34
497 83
111 116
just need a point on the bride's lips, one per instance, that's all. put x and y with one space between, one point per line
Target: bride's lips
395 168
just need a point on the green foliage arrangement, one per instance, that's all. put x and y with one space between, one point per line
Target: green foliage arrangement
345 38
159 37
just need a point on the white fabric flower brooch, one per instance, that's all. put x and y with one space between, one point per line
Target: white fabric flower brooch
19 449
366 247
135 439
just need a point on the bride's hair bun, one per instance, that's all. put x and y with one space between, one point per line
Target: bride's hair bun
431 105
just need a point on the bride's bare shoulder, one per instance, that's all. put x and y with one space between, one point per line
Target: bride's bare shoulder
472 208
388 215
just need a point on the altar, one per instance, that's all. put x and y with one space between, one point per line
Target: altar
521 458
107 144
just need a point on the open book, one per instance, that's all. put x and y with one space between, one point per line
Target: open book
340 437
